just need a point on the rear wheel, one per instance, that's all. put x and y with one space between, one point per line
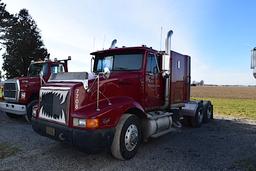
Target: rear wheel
197 120
13 116
127 137
208 112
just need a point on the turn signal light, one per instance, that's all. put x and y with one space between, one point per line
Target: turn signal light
85 123
92 123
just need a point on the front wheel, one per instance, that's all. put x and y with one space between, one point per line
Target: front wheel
127 137
30 106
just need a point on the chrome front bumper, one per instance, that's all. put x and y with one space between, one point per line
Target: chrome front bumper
13 108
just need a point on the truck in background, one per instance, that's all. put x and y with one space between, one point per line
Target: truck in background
253 61
22 93
133 94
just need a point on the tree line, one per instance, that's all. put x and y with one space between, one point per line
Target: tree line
20 41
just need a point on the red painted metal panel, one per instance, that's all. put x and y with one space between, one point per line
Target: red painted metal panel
180 73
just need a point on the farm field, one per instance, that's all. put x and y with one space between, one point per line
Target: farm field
239 102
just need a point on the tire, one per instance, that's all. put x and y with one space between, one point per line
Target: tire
13 116
186 121
30 106
208 112
127 137
197 120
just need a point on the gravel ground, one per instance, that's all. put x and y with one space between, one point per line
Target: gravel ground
223 144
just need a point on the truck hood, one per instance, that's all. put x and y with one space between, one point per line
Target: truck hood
28 79
28 82
76 94
60 91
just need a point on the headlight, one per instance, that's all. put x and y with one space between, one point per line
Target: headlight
23 95
85 123
79 122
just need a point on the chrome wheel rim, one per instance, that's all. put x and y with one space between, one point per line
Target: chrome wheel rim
131 137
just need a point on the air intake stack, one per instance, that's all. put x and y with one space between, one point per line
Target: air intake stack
166 69
113 44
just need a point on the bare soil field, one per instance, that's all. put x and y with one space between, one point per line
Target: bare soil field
238 102
224 92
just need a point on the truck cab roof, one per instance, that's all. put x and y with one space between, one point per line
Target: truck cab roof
123 49
134 49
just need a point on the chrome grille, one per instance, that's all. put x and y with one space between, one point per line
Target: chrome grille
11 90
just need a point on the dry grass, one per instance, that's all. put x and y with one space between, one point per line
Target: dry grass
224 92
239 102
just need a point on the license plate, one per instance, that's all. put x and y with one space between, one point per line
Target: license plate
50 131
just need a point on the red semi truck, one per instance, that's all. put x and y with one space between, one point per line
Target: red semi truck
22 93
133 94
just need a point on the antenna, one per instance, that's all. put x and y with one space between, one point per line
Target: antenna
93 43
161 35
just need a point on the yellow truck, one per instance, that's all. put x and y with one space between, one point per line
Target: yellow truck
1 91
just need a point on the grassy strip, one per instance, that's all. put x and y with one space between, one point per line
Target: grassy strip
7 150
240 108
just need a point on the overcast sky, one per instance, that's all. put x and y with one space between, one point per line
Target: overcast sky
217 34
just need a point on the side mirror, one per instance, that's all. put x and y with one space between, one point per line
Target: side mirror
92 62
41 74
106 73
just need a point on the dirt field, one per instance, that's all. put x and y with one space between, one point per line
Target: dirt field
224 92
223 144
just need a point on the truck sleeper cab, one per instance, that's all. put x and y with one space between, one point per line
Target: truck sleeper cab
128 98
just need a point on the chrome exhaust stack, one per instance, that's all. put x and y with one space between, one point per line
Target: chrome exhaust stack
166 69
113 44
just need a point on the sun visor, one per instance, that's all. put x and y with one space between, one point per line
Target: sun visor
70 77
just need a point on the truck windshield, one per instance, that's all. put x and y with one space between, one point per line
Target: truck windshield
122 62
35 69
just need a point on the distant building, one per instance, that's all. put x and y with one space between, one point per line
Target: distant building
197 83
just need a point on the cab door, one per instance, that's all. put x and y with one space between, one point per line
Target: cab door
153 82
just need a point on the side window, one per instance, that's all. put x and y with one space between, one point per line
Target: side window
178 64
152 66
104 62
57 68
